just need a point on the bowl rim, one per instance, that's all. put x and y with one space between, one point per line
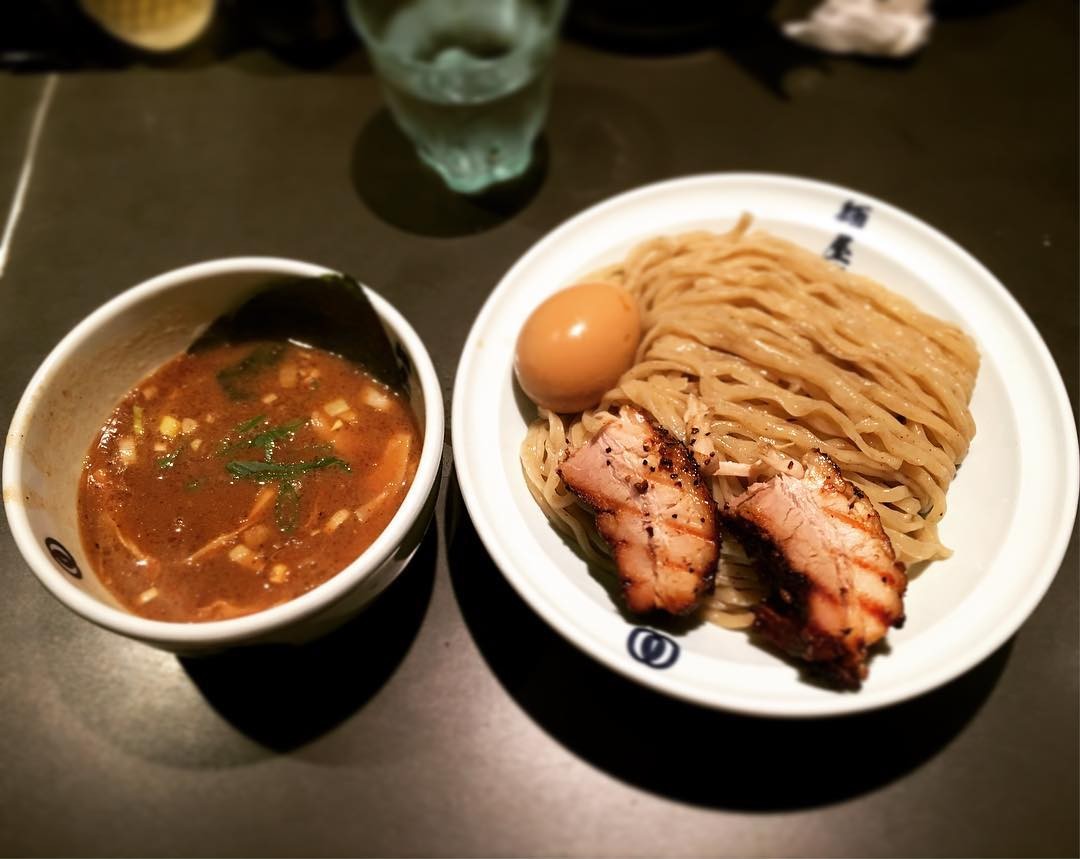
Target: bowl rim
260 623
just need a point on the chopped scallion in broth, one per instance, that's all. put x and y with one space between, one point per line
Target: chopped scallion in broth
220 509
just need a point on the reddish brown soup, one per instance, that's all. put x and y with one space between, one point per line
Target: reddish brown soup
238 478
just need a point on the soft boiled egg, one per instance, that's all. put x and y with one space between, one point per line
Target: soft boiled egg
576 345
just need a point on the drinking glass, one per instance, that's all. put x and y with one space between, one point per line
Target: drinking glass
467 80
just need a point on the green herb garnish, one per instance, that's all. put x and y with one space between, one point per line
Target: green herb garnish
234 378
287 503
169 460
247 425
267 439
255 434
266 472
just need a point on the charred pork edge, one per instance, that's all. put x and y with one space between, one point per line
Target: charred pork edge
707 580
837 662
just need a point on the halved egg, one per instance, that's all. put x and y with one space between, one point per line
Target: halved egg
576 345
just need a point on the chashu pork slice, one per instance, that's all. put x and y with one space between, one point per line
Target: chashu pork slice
654 510
835 586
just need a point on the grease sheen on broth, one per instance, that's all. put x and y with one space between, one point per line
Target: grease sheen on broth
240 477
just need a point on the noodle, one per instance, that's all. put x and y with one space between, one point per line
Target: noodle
752 343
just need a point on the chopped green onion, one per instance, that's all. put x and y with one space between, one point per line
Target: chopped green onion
169 460
265 472
267 439
242 428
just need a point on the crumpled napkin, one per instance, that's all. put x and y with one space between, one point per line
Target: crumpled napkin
877 28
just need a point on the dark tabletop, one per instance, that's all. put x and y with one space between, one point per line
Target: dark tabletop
414 730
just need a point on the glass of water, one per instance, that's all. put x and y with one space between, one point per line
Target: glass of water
466 80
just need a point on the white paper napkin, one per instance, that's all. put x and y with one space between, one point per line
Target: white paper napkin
880 28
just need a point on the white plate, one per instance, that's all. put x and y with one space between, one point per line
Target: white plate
1011 507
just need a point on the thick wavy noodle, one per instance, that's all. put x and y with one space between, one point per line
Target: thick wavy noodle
753 344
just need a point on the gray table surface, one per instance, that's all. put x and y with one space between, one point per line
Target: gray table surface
418 730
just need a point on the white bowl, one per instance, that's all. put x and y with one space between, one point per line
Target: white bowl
78 385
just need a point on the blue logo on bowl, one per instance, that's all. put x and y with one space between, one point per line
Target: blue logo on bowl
652 648
63 557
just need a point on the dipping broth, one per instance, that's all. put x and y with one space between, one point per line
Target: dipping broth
240 477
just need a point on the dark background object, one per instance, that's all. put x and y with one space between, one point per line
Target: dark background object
52 34
58 34
305 33
331 313
673 26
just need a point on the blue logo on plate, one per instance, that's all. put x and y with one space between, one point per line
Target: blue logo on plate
652 648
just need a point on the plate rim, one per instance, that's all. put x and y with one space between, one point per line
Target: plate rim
1058 403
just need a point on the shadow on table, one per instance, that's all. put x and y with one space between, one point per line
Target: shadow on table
682 751
402 190
742 29
749 32
284 696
